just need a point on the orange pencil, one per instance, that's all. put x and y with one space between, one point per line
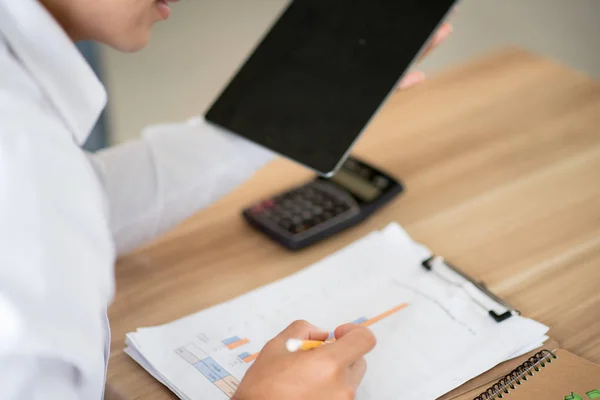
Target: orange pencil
294 345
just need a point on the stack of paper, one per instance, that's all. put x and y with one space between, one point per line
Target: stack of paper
432 335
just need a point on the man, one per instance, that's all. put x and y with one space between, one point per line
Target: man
65 215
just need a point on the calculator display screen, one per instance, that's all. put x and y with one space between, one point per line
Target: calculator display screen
356 185
322 72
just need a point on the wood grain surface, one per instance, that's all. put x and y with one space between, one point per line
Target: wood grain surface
501 160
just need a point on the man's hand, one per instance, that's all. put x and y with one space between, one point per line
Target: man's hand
416 77
330 372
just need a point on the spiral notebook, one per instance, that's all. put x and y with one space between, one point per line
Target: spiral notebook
545 374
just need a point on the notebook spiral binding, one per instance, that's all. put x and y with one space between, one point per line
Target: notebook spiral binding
517 375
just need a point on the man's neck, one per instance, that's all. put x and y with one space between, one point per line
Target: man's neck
57 8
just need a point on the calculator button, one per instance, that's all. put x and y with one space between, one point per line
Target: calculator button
306 203
310 222
317 197
286 214
339 210
327 215
286 224
297 219
299 202
318 219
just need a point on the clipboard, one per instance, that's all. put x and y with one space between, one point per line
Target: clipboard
568 378
497 308
572 376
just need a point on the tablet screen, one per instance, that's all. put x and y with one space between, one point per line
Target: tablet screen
321 73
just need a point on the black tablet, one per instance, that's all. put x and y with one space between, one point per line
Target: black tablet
322 72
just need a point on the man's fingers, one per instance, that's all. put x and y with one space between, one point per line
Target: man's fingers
303 330
442 34
342 330
318 335
352 344
445 30
411 79
417 77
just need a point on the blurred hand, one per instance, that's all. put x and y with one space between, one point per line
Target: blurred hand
416 77
330 372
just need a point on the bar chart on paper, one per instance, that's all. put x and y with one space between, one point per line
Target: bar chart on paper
209 368
221 362
204 353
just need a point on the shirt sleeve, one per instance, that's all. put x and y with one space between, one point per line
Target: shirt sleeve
56 260
172 172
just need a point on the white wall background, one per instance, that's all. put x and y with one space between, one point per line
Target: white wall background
193 55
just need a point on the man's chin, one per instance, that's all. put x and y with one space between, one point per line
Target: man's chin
131 43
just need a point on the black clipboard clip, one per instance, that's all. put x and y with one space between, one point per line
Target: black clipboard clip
497 308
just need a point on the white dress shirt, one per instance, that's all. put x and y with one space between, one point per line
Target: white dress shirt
65 215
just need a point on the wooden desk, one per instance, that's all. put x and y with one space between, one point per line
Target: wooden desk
501 159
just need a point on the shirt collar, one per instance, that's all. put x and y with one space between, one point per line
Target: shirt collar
54 62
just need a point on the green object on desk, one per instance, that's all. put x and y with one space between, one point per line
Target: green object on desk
594 394
573 396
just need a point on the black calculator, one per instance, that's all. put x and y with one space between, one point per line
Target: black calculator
316 210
